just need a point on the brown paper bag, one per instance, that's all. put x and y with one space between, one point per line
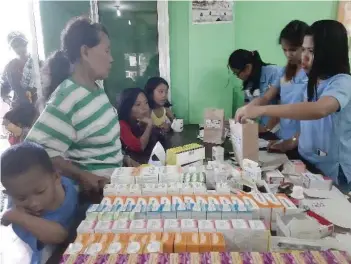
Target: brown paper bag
214 126
244 139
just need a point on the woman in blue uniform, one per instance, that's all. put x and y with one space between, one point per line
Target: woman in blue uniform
325 133
290 83
256 75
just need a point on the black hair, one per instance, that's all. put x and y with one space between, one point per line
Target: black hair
16 35
293 33
126 101
22 115
21 157
79 31
150 87
331 53
240 58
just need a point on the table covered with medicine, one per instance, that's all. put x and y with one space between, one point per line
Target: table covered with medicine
257 207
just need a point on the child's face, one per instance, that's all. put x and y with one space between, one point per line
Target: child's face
34 190
307 53
161 94
292 53
140 108
243 74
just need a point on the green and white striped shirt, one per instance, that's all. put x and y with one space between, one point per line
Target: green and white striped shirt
82 126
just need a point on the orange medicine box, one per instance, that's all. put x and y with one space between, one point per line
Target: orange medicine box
180 240
168 242
100 246
154 244
118 244
137 243
205 244
192 242
217 242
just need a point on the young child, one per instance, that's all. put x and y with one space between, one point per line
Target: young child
156 90
138 134
43 203
18 121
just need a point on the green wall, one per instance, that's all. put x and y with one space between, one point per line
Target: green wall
54 16
199 53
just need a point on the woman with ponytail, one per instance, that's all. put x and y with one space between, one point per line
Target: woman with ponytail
78 122
289 85
324 139
257 76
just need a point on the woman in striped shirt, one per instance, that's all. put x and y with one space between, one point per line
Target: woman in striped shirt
79 127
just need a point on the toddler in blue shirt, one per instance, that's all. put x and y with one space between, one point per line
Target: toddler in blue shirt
43 204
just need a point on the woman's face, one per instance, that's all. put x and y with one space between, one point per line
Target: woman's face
140 108
243 74
292 53
307 53
99 58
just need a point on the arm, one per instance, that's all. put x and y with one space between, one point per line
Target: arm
47 232
55 132
268 96
169 114
14 79
303 111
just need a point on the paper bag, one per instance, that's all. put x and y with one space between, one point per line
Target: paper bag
214 126
244 139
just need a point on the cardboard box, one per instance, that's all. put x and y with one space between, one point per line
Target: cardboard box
103 227
169 174
81 243
100 246
154 244
168 242
172 225
218 243
138 226
192 243
225 227
124 175
228 211
189 225
180 240
136 244
276 208
261 235
154 208
117 245
316 181
274 177
168 211
186 154
155 225
129 204
289 206
148 174
205 243
213 210
121 226
243 210
206 226
86 227
244 139
179 204
202 205
242 236
140 209
109 189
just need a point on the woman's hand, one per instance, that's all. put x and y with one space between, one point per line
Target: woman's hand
282 146
146 120
248 112
92 182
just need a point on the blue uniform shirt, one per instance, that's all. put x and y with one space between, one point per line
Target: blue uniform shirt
268 74
326 142
64 215
290 92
